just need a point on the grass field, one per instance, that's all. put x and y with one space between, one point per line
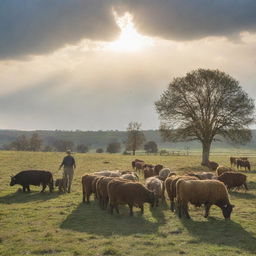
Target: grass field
59 224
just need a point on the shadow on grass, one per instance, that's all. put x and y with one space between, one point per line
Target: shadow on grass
242 194
20 197
221 232
251 185
90 219
157 212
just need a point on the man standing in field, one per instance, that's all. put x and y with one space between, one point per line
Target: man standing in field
69 165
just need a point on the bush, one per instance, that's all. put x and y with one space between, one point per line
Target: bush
99 150
113 147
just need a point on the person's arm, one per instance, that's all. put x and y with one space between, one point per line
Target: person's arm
61 164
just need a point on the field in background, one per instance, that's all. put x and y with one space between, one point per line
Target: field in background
59 224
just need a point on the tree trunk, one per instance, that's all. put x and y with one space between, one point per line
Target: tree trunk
133 152
206 153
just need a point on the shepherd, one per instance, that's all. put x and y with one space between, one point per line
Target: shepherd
69 165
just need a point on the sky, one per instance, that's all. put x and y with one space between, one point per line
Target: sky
100 64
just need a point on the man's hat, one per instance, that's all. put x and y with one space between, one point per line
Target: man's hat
68 151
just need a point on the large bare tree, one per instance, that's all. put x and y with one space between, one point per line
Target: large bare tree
205 105
135 137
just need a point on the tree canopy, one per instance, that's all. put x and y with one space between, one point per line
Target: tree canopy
203 104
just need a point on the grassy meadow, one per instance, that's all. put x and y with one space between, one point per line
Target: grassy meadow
60 224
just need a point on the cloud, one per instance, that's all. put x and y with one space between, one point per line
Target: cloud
46 106
42 26
193 19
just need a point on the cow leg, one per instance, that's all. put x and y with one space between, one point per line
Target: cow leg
88 197
117 210
179 209
111 208
172 206
105 203
207 209
24 188
157 201
142 208
44 186
131 211
185 210
245 186
28 188
51 187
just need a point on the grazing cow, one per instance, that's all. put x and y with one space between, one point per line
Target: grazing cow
139 166
233 180
131 193
33 177
156 185
207 192
243 163
136 161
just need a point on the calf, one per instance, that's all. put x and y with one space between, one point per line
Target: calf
61 184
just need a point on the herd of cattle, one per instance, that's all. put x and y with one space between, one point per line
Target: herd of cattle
112 188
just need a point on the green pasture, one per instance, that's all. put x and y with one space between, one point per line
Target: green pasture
60 224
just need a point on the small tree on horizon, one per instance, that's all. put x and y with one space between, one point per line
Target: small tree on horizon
151 147
20 144
205 104
35 142
63 145
135 137
82 148
99 150
113 147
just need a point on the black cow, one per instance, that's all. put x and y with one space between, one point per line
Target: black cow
33 177
243 163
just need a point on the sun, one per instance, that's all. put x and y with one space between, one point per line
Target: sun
129 39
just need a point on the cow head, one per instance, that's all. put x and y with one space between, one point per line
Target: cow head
226 210
13 180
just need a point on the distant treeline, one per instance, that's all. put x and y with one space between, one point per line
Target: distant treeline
82 141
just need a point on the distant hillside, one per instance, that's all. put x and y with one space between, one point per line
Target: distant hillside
96 139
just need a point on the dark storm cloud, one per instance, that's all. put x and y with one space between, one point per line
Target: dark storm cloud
194 19
41 26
